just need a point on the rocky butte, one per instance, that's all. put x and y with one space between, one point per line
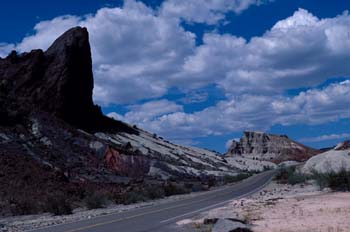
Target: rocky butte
269 147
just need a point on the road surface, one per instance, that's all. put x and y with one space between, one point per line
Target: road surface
162 217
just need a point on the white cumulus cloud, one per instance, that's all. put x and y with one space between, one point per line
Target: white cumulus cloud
326 137
204 11
140 53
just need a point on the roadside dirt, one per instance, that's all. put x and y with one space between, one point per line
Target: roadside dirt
284 208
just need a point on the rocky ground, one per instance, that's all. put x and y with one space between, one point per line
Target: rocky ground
280 208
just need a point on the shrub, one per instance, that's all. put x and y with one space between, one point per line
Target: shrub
24 207
297 178
196 187
289 175
236 178
154 192
95 201
339 181
174 189
58 205
133 197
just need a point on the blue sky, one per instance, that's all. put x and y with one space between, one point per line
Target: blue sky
200 71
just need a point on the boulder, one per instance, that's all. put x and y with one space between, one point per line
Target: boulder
227 225
330 161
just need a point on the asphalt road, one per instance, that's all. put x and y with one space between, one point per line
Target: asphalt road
162 217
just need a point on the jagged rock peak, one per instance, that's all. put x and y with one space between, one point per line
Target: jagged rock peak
69 75
269 147
343 145
58 81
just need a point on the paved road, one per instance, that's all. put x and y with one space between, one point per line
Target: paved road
162 217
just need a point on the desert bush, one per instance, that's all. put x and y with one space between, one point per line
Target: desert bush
58 205
133 197
236 178
174 189
24 207
197 187
283 173
154 192
297 178
289 175
338 181
95 200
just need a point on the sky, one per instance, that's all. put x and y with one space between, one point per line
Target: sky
200 72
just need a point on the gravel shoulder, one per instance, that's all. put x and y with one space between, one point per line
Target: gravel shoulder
283 208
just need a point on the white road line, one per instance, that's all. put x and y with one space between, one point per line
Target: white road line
218 204
151 205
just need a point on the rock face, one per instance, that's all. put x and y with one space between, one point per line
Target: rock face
53 139
269 147
168 160
58 81
227 225
343 146
330 161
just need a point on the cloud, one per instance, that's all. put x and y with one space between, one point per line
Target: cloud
140 53
326 137
300 51
228 143
247 112
133 49
47 31
134 46
134 52
315 106
5 49
150 110
204 11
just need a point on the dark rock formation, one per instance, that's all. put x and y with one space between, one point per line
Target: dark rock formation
269 147
58 81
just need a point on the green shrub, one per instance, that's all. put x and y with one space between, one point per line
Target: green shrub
174 189
58 205
95 201
297 178
289 175
338 181
133 197
236 178
154 192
